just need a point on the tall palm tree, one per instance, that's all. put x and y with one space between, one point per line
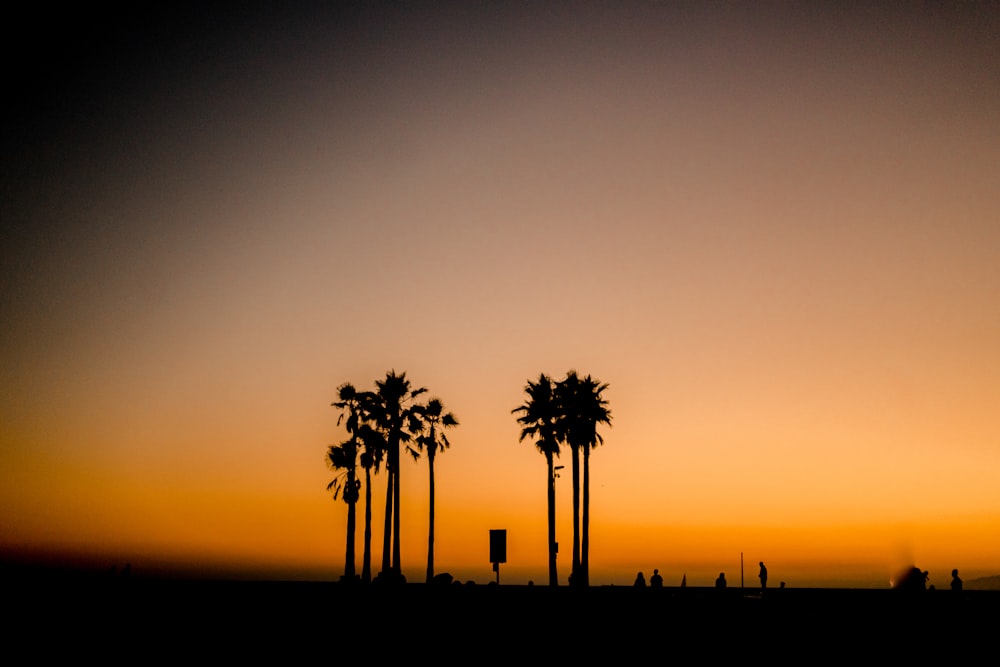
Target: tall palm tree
539 419
396 419
357 407
354 409
343 459
371 458
431 440
583 409
566 392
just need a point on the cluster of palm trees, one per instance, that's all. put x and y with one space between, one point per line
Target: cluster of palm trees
391 420
566 412
382 424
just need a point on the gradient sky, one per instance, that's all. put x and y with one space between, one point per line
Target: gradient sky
773 229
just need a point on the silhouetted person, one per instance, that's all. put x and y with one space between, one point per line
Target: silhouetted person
956 583
721 581
656 581
640 581
763 576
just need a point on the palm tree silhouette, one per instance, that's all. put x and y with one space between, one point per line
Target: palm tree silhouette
566 392
396 418
343 459
582 408
357 407
539 419
432 439
593 411
371 458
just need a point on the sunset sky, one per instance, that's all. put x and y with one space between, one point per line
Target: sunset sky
772 229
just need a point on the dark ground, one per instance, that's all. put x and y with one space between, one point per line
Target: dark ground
131 619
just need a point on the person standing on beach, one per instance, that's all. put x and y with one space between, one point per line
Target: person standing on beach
640 581
956 583
763 576
721 581
656 581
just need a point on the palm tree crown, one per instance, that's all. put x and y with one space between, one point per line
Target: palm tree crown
582 409
540 415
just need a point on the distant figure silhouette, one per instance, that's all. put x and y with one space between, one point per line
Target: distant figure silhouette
721 581
640 581
763 576
956 583
656 581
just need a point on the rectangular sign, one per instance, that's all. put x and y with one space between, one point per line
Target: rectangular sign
498 546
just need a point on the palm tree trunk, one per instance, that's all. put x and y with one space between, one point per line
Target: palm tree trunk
585 547
430 528
366 560
396 567
575 574
551 493
387 526
351 526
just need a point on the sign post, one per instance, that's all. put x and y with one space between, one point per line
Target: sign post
498 550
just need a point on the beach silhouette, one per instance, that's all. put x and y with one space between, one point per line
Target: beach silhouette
245 618
395 418
559 415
